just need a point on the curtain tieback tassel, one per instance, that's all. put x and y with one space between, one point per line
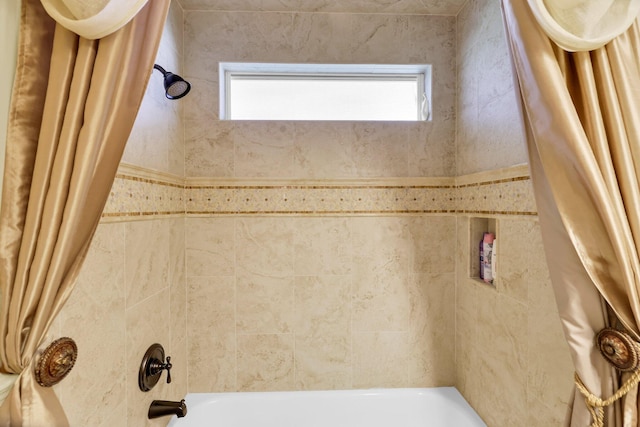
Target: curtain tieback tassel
596 405
623 352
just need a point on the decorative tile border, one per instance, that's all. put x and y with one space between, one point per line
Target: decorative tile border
137 193
140 193
319 199
500 192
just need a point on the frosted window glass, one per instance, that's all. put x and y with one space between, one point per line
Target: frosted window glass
323 99
378 92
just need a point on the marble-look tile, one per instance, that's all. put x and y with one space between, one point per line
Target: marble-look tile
432 41
156 140
541 415
500 123
383 242
432 244
211 333
98 300
264 246
146 259
435 7
211 304
323 150
380 282
156 122
265 362
466 341
380 149
202 106
210 246
263 149
322 306
323 362
178 296
432 148
375 39
502 356
173 34
177 252
468 148
209 148
211 37
489 111
463 239
516 242
432 330
321 38
205 44
380 359
502 336
147 323
322 246
212 363
549 381
381 305
264 305
502 399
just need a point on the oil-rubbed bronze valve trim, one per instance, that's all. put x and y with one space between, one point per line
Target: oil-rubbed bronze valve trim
56 361
619 349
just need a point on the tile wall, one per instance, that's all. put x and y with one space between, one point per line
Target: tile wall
317 150
316 272
512 362
266 263
488 135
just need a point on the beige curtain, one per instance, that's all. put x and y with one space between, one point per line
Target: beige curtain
73 106
577 25
582 114
93 19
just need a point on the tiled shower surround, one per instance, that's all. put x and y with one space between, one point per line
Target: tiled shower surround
298 256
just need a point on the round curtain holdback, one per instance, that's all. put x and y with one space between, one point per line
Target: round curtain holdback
619 349
623 352
56 361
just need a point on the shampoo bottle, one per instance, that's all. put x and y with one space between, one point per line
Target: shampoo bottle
481 252
487 249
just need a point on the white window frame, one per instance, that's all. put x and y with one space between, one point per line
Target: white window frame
420 72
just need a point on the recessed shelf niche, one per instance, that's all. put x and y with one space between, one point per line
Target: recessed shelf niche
477 228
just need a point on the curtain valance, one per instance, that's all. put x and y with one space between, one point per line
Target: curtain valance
93 19
579 25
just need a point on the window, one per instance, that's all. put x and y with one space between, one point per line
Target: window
258 91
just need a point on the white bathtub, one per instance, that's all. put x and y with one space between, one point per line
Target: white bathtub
415 407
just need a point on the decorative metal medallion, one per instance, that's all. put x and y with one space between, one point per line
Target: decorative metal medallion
56 361
619 349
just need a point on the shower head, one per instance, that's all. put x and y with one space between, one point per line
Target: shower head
175 86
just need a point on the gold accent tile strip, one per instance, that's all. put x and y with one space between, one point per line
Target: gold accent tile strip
140 193
338 212
440 182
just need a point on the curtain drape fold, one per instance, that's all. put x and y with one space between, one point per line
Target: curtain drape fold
582 115
581 25
93 19
73 106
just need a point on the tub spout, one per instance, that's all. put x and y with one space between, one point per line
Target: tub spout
161 408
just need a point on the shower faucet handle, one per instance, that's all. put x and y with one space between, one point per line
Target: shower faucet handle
168 367
151 367
157 366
